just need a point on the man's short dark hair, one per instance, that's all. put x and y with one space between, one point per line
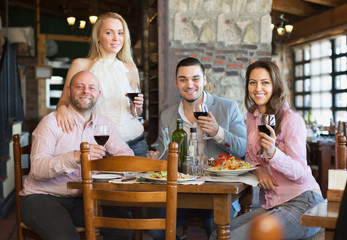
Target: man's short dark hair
190 61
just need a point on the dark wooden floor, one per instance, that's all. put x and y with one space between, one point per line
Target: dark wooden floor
8 229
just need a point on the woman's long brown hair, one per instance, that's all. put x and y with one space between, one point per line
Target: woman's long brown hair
279 94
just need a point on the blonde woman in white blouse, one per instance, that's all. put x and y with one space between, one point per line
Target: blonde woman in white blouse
110 60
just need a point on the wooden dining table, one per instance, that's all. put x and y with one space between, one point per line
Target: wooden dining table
217 196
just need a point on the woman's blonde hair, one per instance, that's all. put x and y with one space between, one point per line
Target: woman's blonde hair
125 53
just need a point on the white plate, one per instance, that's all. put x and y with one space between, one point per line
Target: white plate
105 176
148 176
229 172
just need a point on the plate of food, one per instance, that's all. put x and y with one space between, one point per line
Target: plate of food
105 176
229 165
162 176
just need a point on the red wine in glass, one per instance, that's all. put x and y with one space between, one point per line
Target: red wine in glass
198 114
101 134
201 109
262 128
266 119
132 96
101 139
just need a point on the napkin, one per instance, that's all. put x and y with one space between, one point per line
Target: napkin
247 178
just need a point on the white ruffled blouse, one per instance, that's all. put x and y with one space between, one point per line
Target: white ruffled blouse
113 103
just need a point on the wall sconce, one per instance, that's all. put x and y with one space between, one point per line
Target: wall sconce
281 31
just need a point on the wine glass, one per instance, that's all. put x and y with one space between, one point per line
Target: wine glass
201 109
166 140
101 134
266 119
131 96
263 120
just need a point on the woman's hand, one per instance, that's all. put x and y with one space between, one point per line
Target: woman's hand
208 124
139 103
64 119
268 142
266 181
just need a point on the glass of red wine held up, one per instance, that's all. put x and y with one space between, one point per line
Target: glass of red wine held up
131 96
101 134
263 120
201 109
266 119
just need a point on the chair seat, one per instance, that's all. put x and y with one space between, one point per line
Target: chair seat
78 229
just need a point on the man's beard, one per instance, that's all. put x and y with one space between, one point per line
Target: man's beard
80 106
193 100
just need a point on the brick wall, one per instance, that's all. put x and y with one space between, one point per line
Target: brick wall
226 35
31 99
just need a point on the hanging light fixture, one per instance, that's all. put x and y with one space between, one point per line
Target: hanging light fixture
83 28
281 30
71 21
93 19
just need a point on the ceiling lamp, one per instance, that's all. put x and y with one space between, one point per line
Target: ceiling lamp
82 28
82 24
71 21
281 30
93 19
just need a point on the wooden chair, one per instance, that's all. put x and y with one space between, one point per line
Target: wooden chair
92 194
340 146
24 231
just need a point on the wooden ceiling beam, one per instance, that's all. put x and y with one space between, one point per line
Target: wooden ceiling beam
295 7
329 3
331 22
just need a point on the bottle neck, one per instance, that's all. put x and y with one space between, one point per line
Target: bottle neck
179 125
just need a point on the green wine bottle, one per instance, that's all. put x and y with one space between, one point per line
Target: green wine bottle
180 136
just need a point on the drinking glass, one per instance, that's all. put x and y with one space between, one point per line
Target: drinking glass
266 119
131 95
263 120
166 140
201 109
101 134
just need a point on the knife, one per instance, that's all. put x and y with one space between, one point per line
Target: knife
128 179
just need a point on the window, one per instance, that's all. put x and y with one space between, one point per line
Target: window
320 80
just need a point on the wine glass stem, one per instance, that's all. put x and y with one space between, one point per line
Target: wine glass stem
135 112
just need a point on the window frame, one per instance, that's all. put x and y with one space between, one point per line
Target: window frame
304 109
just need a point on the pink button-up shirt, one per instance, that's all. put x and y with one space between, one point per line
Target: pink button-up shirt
289 165
52 153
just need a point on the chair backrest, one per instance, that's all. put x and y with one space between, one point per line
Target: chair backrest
341 152
19 173
91 193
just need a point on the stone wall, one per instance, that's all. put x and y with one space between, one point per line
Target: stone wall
226 35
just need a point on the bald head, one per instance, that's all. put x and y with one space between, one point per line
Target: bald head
84 91
84 75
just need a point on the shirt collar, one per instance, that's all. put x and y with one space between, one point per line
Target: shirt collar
78 118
